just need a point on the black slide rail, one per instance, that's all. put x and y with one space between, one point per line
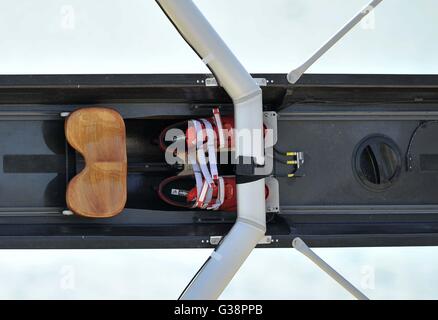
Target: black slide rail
315 96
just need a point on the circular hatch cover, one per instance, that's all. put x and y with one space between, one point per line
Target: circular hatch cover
377 162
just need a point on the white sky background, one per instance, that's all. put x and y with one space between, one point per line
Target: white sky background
119 36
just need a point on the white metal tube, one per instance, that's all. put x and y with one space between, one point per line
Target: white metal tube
224 262
248 120
229 72
248 115
201 36
301 246
295 74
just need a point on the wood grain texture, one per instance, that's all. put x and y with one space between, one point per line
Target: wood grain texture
99 190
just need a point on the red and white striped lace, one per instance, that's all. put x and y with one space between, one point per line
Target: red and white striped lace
206 176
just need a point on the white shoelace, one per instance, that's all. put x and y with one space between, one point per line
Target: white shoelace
206 176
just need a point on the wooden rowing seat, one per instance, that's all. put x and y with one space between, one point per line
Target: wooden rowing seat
99 190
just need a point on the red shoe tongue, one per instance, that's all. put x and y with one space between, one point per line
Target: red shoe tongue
191 196
191 136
